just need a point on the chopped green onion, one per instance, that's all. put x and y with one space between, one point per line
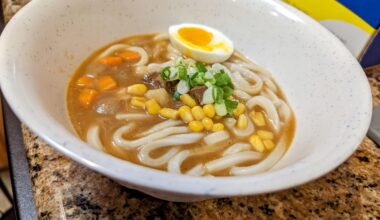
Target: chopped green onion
209 75
192 70
222 78
198 81
201 67
178 61
207 96
183 87
220 109
230 105
208 84
217 94
165 73
173 74
182 72
176 95
228 91
218 82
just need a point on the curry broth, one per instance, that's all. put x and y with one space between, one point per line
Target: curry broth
83 117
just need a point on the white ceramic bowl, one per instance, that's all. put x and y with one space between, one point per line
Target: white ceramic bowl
327 89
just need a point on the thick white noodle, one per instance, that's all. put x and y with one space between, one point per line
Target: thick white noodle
231 160
174 164
132 144
242 84
189 61
216 137
241 94
174 140
250 76
196 151
268 82
257 69
284 111
132 116
272 96
268 107
173 53
218 66
172 56
93 137
247 63
112 49
242 78
229 122
146 159
242 57
157 67
158 49
161 36
236 148
263 165
154 67
141 70
244 132
143 55
197 170
160 126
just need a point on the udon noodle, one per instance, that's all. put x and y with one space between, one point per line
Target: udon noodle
120 103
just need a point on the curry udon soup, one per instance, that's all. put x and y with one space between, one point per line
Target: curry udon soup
142 100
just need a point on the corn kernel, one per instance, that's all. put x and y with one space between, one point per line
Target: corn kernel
137 89
169 113
242 122
138 102
209 110
198 112
240 109
186 116
184 108
207 123
152 107
269 145
256 143
196 126
217 127
258 118
265 134
186 98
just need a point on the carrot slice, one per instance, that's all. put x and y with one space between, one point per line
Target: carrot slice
83 81
130 56
106 83
87 96
110 60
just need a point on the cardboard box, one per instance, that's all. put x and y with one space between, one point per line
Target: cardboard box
354 22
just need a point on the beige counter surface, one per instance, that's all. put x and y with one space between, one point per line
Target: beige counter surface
65 189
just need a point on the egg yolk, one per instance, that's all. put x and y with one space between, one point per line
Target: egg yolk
196 36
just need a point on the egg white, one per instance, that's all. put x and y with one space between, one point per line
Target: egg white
216 55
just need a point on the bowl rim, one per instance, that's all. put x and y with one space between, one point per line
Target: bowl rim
152 179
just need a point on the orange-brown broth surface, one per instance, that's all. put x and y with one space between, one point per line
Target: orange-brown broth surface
124 74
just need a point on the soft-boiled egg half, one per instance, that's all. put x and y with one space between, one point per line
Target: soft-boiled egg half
201 43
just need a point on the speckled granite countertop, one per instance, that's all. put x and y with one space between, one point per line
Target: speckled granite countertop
64 189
